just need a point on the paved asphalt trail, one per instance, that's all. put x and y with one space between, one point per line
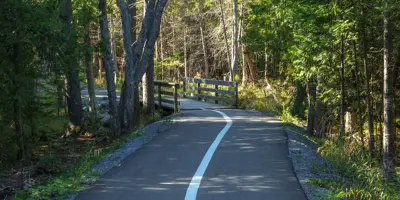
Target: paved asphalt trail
251 162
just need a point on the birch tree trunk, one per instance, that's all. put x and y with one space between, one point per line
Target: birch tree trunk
114 49
185 52
109 68
388 126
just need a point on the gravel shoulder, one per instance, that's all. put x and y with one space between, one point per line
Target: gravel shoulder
308 165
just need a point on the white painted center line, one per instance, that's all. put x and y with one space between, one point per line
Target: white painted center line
191 192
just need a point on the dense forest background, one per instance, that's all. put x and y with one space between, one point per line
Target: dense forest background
331 66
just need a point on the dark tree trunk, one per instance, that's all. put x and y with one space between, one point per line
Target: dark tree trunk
74 100
342 90
89 74
312 98
388 116
136 102
109 67
19 126
356 72
367 87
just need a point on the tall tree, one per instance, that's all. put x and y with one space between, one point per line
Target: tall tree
388 115
109 67
148 85
235 40
74 100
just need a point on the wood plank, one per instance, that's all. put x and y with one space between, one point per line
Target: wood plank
218 91
210 81
166 84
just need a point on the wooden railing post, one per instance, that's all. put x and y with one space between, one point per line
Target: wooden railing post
198 92
236 95
184 88
216 93
176 98
159 95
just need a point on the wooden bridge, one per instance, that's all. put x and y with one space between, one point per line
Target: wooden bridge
189 94
196 93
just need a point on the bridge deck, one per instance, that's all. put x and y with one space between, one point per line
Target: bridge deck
185 103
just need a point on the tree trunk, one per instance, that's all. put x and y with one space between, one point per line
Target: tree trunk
225 35
89 74
312 98
125 108
342 92
136 97
148 89
137 64
203 42
360 121
148 85
19 126
367 87
74 100
388 133
109 67
114 49
185 52
235 40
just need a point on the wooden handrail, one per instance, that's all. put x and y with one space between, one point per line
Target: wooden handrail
217 90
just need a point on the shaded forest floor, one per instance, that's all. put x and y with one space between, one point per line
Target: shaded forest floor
56 162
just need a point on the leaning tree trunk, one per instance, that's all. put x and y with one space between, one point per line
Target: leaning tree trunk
312 98
109 68
89 73
388 132
74 99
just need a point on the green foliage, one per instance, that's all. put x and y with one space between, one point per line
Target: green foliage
253 97
363 177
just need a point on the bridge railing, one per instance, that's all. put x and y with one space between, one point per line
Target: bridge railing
224 91
165 91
